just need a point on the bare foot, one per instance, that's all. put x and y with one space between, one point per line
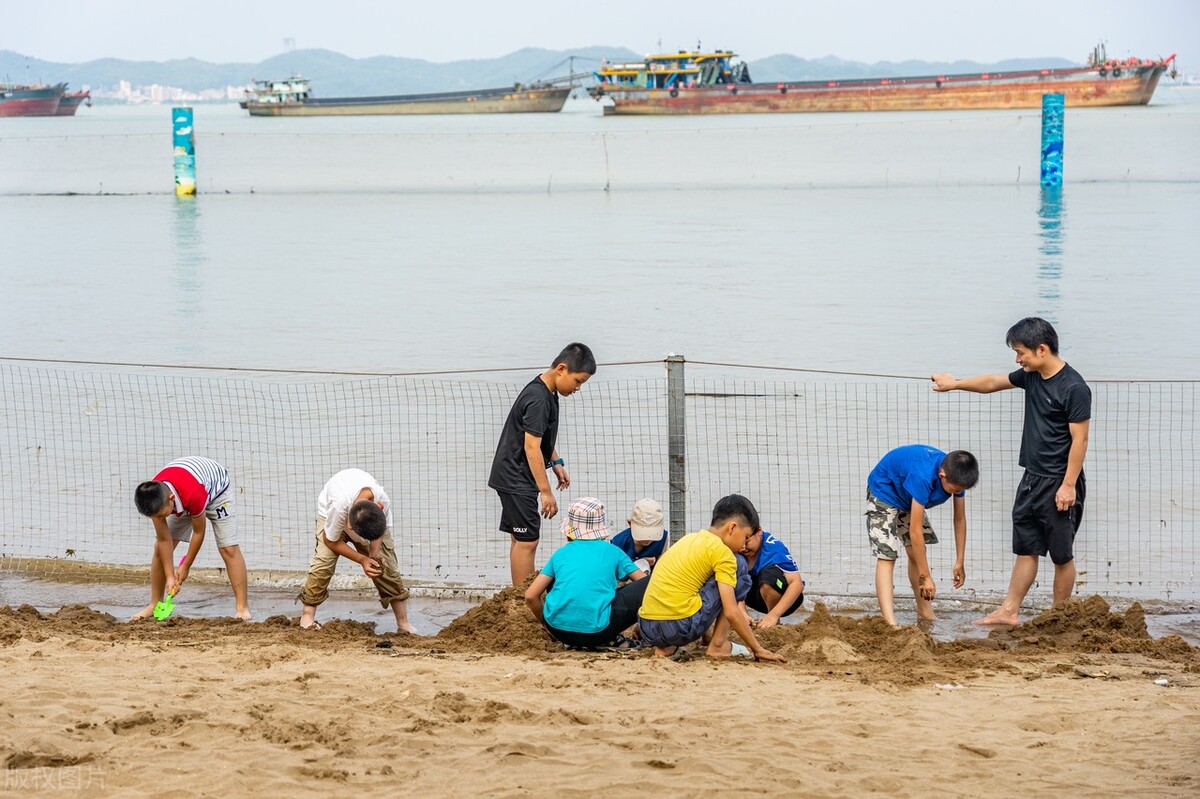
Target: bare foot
999 617
244 615
719 649
408 628
145 613
664 651
308 621
925 623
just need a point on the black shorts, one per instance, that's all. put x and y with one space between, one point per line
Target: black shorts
775 578
1039 527
519 516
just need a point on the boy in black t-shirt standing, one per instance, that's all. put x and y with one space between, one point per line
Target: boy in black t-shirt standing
1049 504
526 450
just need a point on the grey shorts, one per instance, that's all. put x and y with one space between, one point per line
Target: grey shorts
221 513
679 632
888 528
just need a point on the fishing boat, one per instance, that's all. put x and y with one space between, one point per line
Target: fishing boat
694 82
29 101
293 97
69 103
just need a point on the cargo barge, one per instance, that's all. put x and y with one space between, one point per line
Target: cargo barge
293 98
690 82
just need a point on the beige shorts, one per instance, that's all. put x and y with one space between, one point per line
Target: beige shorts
324 562
222 520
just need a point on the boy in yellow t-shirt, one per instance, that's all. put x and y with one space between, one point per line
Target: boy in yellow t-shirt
697 584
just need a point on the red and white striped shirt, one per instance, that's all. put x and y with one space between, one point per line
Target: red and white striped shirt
195 482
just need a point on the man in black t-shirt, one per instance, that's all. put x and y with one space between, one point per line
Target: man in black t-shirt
1049 504
527 449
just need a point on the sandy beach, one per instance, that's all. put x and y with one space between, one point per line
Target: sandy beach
1069 704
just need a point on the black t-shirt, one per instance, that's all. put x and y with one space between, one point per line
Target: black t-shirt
536 412
1050 407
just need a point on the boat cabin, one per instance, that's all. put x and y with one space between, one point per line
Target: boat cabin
291 90
674 70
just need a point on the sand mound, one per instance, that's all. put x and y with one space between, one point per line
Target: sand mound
502 624
868 648
1088 626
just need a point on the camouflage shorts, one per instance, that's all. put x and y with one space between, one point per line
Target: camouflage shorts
887 527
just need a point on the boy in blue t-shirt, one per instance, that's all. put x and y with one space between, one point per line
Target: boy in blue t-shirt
644 538
777 589
582 607
900 488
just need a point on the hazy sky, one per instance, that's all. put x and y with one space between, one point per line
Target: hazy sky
446 30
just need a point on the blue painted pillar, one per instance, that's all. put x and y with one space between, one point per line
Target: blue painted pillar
185 152
1052 139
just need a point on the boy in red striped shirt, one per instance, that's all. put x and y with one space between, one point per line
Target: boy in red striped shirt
181 500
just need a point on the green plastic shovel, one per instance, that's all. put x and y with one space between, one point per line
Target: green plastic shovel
166 607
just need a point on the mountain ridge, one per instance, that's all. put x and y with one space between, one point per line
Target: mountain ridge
335 74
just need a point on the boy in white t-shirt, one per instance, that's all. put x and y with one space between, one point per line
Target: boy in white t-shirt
354 520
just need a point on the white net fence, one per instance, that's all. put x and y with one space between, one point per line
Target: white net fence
77 439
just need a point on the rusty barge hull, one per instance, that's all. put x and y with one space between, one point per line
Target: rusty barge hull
486 101
1082 87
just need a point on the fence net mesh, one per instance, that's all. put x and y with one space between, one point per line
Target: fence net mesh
77 440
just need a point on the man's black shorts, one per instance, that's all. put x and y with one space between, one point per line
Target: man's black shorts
1039 527
776 578
519 516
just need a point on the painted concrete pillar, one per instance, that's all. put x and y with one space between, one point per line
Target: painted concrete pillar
185 152
1052 139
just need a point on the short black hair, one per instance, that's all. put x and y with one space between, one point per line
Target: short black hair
1032 331
578 358
367 520
150 497
961 468
735 507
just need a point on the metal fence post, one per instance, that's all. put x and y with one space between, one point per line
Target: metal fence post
677 446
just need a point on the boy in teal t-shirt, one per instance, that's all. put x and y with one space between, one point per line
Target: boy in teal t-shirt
583 607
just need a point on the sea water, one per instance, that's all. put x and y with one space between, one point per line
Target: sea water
895 243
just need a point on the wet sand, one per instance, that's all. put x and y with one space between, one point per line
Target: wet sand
1066 705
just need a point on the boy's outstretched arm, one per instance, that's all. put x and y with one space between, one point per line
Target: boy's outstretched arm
737 621
533 595
533 454
916 528
980 384
960 541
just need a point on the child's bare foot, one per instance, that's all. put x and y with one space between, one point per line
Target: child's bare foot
999 617
664 651
244 614
719 650
408 628
307 622
145 613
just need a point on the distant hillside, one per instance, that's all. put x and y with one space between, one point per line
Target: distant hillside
334 74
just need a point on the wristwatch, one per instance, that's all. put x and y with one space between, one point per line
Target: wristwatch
556 462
